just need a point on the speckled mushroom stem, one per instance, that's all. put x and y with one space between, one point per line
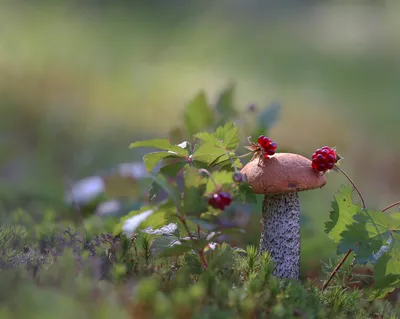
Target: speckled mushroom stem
280 233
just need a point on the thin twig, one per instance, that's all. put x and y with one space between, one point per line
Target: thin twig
390 206
203 170
200 252
352 183
336 270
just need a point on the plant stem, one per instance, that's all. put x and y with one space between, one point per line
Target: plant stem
244 155
203 259
336 270
390 206
203 170
200 252
352 183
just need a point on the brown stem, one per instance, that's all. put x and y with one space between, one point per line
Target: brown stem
336 270
390 206
352 183
203 259
200 252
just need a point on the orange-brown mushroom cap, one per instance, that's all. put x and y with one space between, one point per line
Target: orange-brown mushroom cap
282 173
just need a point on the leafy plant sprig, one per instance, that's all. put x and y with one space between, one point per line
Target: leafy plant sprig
372 236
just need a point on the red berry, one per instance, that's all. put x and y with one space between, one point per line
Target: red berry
324 159
226 198
220 200
270 152
272 146
264 141
267 145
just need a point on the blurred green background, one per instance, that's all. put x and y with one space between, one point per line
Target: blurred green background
80 80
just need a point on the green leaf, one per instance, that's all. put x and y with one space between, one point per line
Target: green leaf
169 187
209 138
198 115
151 159
223 178
175 250
229 134
208 153
244 193
183 246
140 219
392 266
170 171
384 282
342 214
162 144
356 238
369 231
210 224
194 202
225 105
226 137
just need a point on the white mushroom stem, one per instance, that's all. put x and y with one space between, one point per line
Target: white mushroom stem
280 234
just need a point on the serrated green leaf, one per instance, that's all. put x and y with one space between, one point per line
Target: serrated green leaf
198 115
342 214
151 159
356 238
162 144
229 134
225 105
226 137
194 202
209 138
376 223
208 153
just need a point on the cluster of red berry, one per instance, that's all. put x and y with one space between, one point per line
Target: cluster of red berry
267 146
324 159
220 200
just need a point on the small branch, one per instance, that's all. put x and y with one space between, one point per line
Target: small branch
200 252
390 206
354 185
203 259
203 170
336 270
183 220
198 231
244 155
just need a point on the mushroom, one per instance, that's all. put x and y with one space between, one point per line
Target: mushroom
280 178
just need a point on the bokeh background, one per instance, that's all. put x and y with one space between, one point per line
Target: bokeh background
80 80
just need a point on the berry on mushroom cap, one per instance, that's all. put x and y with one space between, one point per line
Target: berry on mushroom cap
324 159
